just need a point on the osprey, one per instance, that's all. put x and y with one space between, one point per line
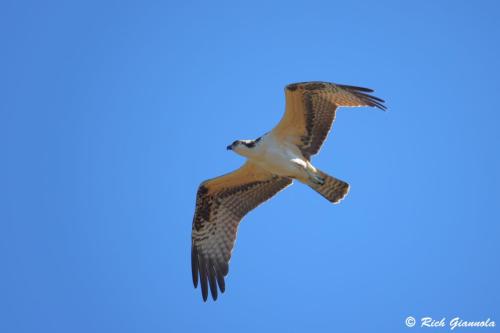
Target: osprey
273 162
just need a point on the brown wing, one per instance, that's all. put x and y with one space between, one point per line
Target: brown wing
310 111
221 203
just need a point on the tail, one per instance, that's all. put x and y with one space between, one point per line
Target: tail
331 188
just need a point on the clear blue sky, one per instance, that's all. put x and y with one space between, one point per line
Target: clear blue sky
113 112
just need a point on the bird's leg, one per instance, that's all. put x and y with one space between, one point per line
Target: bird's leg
310 173
313 174
316 179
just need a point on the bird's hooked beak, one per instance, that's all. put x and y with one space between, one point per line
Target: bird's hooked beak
230 147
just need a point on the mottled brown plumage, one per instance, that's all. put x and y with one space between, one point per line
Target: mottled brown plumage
311 108
221 203
273 160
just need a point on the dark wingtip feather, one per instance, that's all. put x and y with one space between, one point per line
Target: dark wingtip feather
376 104
220 278
361 93
209 273
345 86
379 105
194 265
203 280
224 268
370 97
211 280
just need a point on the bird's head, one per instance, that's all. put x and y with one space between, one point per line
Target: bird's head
243 147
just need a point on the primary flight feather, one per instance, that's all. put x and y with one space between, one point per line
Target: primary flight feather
273 162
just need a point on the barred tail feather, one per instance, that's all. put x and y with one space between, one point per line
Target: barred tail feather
330 188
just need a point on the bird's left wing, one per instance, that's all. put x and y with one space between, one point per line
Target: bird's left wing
310 111
221 203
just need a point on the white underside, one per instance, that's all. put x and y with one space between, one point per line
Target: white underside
281 158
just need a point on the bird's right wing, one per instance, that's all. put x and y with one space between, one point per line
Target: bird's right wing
221 203
310 111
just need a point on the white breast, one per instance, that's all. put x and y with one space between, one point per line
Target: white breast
280 158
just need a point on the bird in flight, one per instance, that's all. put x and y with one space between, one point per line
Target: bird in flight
274 160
